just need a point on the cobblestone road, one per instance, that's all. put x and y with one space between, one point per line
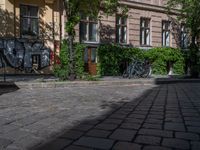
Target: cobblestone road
130 117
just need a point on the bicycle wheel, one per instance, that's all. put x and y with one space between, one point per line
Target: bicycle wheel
147 72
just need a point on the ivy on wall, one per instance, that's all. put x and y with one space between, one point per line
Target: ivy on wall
113 59
163 56
62 70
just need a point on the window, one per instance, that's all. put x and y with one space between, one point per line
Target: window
121 29
93 55
166 33
184 37
88 29
29 20
145 32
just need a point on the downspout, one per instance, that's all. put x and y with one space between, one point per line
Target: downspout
53 23
60 15
15 18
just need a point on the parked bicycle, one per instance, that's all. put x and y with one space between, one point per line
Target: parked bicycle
138 69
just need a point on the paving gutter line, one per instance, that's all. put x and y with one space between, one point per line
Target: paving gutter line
80 83
66 84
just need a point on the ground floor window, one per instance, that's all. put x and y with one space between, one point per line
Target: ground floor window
29 20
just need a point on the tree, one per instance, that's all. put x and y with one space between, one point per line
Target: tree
189 13
74 8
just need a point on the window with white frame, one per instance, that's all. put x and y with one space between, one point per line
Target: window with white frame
88 29
166 33
145 31
121 29
29 20
184 37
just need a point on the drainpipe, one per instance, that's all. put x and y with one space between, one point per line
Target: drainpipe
60 26
53 23
14 18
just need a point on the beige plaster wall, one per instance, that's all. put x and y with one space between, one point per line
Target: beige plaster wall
49 18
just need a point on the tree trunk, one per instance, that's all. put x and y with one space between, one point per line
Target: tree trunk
194 58
72 74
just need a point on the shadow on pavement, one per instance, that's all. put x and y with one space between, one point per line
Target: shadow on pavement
154 120
8 87
95 133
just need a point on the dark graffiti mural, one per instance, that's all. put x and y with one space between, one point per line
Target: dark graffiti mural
23 54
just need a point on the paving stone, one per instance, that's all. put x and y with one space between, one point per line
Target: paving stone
98 133
126 146
155 132
57 144
72 147
175 143
152 126
191 114
137 116
28 142
123 134
193 129
174 126
191 119
143 139
83 127
173 116
114 121
187 136
72 134
106 126
130 126
91 122
193 123
118 116
154 121
195 145
155 148
95 142
155 116
4 142
134 120
174 120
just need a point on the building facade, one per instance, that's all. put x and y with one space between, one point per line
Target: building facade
30 35
146 25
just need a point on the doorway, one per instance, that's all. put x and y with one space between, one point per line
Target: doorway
90 58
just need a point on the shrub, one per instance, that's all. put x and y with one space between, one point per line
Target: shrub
112 58
160 57
62 70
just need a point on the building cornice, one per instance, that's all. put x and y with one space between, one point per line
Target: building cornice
149 7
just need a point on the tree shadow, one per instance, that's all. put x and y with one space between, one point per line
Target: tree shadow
8 87
99 127
23 50
145 113
106 33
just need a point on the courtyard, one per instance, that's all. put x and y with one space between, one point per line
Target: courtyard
101 117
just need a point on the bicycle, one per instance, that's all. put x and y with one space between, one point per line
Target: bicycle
137 69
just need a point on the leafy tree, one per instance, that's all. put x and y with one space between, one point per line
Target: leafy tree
92 8
190 14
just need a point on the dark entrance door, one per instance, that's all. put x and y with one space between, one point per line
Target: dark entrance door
91 60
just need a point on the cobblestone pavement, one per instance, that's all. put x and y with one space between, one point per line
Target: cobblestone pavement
133 117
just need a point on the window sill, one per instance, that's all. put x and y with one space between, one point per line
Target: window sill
123 44
145 46
89 42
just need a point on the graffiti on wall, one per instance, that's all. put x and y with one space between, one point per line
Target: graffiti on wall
23 54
